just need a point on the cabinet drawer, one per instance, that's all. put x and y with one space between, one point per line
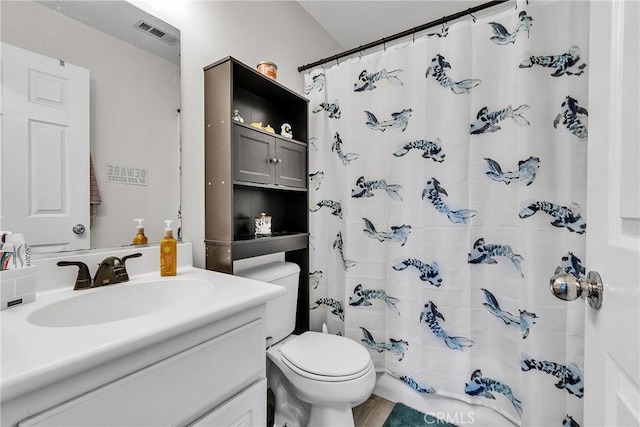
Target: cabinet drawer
170 391
249 408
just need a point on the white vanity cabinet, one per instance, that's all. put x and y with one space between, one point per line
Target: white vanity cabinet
178 351
218 382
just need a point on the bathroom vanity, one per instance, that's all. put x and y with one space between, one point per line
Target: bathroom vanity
186 350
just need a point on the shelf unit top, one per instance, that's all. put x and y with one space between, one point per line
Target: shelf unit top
259 84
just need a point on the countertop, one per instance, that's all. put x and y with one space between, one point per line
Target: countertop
37 356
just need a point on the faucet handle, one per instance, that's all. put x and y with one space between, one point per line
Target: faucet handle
121 270
126 257
83 280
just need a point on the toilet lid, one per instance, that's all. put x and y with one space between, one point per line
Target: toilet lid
326 355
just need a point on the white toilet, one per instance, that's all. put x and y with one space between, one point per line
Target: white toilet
316 377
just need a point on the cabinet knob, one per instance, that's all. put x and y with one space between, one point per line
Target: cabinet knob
279 161
274 160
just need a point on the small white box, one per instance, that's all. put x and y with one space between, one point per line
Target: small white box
17 286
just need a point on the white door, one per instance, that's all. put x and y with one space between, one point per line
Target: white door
612 350
45 150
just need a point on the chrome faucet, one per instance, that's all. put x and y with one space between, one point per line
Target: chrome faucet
111 270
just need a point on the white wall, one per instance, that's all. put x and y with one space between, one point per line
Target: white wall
250 31
134 131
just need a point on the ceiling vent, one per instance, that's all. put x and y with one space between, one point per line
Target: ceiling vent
148 28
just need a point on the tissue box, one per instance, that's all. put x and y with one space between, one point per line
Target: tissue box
17 286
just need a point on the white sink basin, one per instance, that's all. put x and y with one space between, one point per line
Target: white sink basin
120 301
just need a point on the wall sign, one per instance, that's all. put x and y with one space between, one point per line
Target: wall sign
120 174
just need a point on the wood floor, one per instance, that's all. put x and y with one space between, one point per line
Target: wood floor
373 412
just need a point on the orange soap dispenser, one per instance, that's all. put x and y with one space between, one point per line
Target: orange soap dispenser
168 252
140 238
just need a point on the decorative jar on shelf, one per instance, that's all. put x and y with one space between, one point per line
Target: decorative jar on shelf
268 68
262 225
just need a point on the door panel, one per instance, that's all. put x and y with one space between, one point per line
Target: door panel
292 164
612 334
45 150
252 152
48 144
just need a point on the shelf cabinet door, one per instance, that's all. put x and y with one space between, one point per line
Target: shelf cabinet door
291 169
252 154
264 159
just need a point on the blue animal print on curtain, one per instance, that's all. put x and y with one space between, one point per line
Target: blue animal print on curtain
502 35
447 184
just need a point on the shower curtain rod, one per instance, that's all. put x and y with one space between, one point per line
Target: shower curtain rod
384 40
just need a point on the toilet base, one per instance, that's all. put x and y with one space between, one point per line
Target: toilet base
289 410
335 415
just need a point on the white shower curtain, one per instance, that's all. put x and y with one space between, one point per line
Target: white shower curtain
447 177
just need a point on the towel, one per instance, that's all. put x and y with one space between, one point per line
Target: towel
94 191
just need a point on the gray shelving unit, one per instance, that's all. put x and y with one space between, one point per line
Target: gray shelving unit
249 171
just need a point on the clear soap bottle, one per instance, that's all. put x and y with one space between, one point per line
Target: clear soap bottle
168 252
140 238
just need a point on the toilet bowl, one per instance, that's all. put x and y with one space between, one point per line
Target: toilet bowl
330 373
316 377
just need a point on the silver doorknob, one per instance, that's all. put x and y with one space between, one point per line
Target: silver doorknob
566 287
78 229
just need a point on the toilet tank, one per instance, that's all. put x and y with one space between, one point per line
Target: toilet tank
281 312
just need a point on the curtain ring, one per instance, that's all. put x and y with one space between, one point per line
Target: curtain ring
360 52
384 43
414 34
471 14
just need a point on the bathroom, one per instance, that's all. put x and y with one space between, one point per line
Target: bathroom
210 31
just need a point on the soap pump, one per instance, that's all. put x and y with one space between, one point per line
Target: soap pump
140 238
168 252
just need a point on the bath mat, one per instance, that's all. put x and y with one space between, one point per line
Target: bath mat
403 416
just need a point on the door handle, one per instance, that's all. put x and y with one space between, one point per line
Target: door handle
567 287
78 229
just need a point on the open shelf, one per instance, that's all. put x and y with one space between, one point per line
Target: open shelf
277 242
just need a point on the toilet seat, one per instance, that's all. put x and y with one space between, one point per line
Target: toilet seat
325 357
